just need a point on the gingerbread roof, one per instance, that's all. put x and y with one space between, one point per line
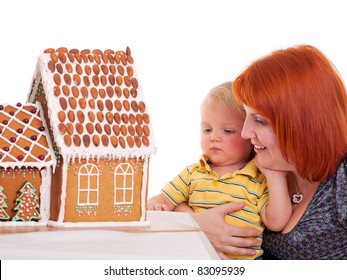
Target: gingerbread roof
23 137
96 105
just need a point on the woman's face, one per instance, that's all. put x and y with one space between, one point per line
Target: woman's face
259 131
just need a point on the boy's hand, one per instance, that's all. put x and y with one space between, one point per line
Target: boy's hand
158 207
160 203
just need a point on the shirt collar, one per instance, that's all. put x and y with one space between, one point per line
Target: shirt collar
204 165
250 169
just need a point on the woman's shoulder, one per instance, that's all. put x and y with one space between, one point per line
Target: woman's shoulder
342 167
340 188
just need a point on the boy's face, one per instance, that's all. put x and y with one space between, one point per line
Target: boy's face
221 140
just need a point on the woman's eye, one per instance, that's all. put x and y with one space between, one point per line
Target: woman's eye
260 121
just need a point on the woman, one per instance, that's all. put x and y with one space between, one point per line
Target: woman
296 107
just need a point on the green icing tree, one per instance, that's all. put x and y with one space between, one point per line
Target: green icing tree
26 204
3 214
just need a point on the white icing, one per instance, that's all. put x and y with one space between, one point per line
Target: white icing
142 221
100 224
63 192
122 171
74 153
144 189
44 203
88 170
45 195
54 107
21 224
36 162
41 165
53 162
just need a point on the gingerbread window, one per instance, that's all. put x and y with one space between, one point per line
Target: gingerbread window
124 184
88 185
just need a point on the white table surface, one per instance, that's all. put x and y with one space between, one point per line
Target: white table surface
171 236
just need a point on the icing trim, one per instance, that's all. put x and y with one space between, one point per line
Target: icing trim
22 223
144 188
45 195
61 218
63 192
49 148
100 224
43 73
46 176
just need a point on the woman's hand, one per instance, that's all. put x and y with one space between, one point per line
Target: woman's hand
226 238
271 174
276 214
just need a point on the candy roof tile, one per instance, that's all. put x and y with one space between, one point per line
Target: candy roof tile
23 138
96 105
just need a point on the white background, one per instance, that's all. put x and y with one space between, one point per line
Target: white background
181 50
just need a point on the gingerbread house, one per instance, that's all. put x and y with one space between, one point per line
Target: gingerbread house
101 134
26 162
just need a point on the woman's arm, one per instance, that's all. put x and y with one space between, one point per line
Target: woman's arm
278 210
225 238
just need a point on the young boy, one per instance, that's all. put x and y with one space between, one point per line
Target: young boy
226 172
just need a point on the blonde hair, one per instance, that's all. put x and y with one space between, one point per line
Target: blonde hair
223 95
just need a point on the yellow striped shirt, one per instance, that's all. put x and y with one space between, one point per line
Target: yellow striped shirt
202 189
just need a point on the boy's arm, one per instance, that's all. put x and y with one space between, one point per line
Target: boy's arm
160 203
278 210
183 207
177 189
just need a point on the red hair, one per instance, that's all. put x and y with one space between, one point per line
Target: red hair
302 95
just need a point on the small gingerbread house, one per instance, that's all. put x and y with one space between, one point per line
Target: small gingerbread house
26 162
101 134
